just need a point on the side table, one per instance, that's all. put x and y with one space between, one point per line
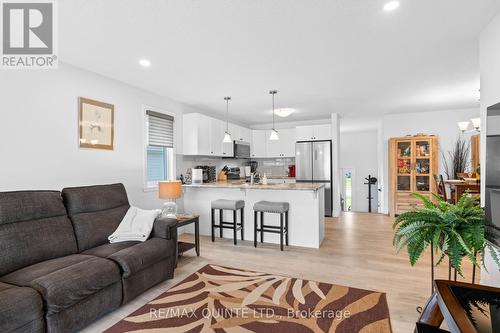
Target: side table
184 220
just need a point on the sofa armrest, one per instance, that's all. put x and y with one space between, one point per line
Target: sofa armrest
165 228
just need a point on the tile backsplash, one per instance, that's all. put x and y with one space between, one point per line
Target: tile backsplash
276 167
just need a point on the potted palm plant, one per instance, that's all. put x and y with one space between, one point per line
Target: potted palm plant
453 230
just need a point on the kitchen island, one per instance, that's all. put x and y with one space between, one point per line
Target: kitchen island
306 214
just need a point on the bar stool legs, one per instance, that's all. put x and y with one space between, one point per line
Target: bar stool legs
286 228
259 226
242 219
231 205
221 216
255 229
212 216
281 232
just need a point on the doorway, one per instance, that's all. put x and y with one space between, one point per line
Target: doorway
347 189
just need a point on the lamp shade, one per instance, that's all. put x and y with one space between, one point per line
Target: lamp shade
170 189
476 122
274 135
463 125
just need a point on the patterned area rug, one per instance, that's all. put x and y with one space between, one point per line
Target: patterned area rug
221 299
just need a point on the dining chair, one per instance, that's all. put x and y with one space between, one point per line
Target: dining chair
441 189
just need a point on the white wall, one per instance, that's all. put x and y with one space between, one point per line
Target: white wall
336 163
443 124
490 95
359 151
39 132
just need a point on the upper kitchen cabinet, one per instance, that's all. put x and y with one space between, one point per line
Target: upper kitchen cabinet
314 132
217 129
202 135
239 133
258 148
284 147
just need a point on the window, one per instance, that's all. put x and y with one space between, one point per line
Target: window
160 147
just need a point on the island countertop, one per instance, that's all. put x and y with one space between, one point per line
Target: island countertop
242 185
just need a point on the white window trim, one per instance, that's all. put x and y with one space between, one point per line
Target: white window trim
172 167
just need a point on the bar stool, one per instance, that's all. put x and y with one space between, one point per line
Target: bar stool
221 205
270 207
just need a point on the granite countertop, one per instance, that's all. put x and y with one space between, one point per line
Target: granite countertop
243 185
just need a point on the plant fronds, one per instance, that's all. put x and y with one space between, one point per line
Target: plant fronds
455 231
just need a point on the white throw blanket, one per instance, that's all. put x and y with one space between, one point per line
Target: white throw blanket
135 226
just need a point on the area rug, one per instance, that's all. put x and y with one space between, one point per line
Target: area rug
221 299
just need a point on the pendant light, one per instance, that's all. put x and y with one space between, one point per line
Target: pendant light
274 133
227 135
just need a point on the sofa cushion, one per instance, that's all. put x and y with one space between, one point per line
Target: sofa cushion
106 250
19 306
96 212
137 257
33 227
65 281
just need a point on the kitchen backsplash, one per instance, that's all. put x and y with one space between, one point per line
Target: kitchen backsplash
274 167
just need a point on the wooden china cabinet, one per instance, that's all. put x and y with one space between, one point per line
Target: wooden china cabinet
413 160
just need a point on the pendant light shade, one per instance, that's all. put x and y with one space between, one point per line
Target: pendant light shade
227 138
274 133
227 135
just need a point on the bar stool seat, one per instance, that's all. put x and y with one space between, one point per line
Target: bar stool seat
228 204
271 207
233 205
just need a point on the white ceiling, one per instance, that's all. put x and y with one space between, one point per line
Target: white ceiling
324 56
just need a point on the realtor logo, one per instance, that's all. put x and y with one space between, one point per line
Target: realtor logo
28 34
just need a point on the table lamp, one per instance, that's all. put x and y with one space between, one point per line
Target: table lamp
170 190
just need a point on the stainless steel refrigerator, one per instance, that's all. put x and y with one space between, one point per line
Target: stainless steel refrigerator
313 163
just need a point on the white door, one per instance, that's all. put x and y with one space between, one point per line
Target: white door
245 134
287 142
258 143
216 136
273 147
347 189
304 133
203 135
323 132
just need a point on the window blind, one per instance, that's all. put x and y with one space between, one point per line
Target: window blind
156 164
160 129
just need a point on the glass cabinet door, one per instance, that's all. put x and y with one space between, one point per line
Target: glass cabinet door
403 167
422 165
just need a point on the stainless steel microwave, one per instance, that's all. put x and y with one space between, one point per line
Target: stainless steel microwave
241 149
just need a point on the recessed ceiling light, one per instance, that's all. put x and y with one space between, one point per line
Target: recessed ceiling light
390 6
284 112
144 62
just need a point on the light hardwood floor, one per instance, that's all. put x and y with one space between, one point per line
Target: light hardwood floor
357 252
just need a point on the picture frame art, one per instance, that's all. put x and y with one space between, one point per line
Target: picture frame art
96 124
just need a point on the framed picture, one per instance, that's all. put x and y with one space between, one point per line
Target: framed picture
96 124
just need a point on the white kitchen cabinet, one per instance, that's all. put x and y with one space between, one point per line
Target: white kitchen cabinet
202 135
258 148
239 133
313 132
217 130
323 132
284 147
304 133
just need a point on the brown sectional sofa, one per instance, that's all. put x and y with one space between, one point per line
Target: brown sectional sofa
58 272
